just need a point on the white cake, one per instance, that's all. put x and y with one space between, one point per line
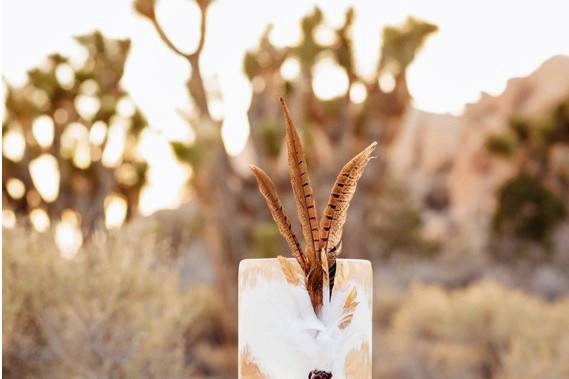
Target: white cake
281 337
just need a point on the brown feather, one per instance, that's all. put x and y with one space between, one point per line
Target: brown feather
267 189
306 209
343 190
314 286
325 270
302 189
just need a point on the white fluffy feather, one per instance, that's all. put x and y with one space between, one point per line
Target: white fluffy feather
287 340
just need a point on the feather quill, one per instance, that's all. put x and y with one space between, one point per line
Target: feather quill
267 189
326 273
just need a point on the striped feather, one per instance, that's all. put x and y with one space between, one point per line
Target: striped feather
306 209
325 270
343 190
302 189
267 189
331 259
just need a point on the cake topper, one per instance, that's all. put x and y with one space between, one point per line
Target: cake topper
323 239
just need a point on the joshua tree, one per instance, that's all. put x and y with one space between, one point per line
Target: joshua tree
226 195
74 117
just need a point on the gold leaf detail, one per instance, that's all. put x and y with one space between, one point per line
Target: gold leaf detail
350 305
289 271
358 363
249 368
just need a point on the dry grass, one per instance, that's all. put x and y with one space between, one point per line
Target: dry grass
484 331
117 311
113 311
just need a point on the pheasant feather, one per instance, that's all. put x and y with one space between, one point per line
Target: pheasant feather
342 193
267 189
323 239
302 189
306 209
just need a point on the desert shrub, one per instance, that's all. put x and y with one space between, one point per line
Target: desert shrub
484 331
501 145
266 240
113 311
527 209
396 225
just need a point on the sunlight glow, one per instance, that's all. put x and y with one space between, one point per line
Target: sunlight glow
87 106
8 218
387 82
45 176
72 136
330 80
450 71
82 154
290 69
65 76
115 211
89 87
285 35
116 139
166 178
235 132
324 35
216 109
97 133
15 188
39 220
358 93
13 145
125 107
68 236
42 130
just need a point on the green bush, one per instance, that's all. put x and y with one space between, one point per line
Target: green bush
527 209
502 145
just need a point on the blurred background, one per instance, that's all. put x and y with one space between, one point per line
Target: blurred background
127 202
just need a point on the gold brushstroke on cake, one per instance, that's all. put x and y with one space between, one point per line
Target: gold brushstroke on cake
250 369
266 269
288 270
350 305
353 273
358 363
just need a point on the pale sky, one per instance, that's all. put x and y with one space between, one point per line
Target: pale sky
480 45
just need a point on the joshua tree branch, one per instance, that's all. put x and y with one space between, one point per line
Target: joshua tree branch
196 84
167 39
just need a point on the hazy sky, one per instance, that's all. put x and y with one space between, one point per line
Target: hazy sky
480 45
